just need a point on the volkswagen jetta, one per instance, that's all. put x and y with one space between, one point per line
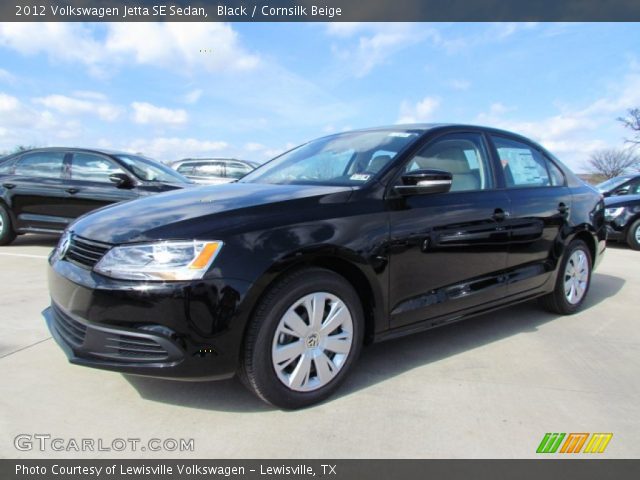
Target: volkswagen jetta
346 240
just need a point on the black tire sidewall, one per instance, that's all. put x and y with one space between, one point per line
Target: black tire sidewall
263 374
7 234
631 235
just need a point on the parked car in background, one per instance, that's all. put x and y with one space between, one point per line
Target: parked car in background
43 190
213 170
353 238
623 219
623 185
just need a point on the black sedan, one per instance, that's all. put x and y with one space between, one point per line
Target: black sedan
623 219
43 190
353 238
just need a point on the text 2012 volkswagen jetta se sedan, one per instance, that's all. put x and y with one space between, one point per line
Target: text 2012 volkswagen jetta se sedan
352 238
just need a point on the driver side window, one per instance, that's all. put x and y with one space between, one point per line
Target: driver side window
462 155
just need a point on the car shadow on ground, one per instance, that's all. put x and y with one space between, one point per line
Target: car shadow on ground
381 361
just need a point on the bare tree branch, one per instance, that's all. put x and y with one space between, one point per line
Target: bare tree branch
632 122
613 162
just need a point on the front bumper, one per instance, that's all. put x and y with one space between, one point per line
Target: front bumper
178 330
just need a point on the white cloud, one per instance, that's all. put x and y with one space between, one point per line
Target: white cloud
180 45
175 148
574 133
460 85
21 124
193 96
375 43
146 113
89 103
177 46
6 76
421 111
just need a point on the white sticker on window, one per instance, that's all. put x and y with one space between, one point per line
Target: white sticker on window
360 177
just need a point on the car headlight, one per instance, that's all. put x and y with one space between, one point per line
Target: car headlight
611 213
167 261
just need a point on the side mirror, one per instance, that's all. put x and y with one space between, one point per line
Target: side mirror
420 182
122 180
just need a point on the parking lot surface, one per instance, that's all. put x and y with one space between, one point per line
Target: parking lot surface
488 387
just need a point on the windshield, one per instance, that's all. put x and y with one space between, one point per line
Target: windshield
150 170
612 183
351 158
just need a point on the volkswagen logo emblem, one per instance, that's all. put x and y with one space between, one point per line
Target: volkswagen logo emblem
313 340
63 245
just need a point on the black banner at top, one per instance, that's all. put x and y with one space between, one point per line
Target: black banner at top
321 10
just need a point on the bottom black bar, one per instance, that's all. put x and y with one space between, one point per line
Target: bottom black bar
543 469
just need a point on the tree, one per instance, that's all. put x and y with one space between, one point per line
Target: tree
632 122
612 162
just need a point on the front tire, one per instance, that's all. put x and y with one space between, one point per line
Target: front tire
574 279
633 235
7 234
303 339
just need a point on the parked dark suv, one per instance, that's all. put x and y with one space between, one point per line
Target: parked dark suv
353 238
42 190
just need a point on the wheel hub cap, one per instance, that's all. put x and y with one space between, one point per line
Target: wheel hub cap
576 277
312 341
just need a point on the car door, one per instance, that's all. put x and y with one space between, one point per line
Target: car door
90 186
540 205
37 192
448 251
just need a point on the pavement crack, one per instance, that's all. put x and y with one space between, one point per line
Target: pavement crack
25 348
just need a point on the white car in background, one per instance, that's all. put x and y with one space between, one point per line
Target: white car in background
213 171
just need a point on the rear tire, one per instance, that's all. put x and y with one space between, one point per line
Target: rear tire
633 235
572 284
303 339
7 234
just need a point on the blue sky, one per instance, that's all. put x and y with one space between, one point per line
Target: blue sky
251 90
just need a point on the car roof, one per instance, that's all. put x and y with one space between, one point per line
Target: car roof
427 127
103 151
218 159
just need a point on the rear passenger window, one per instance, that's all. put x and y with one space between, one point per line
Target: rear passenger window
41 164
92 168
186 169
523 165
463 155
556 175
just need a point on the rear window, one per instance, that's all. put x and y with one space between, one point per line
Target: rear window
41 164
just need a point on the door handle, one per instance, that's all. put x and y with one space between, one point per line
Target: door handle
500 215
72 190
9 185
563 209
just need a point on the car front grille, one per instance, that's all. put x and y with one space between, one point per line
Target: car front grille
85 252
71 330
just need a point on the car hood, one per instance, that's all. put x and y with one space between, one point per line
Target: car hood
620 200
194 212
